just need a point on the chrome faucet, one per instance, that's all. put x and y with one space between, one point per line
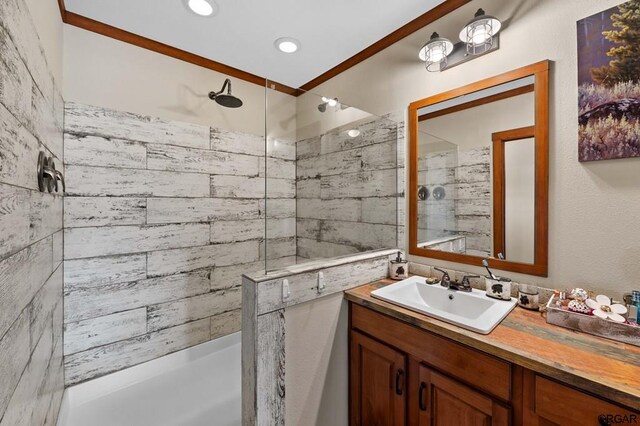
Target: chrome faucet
464 285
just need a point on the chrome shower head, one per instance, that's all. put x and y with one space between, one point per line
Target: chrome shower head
228 100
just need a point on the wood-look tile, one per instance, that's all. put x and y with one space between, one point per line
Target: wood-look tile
105 241
379 183
93 302
242 143
229 231
18 148
14 354
276 208
181 159
58 248
342 209
99 271
226 323
193 308
381 210
277 168
104 181
303 286
167 262
281 148
19 24
277 248
311 248
104 211
183 210
43 305
126 353
22 404
21 276
270 368
94 332
15 80
223 277
89 150
85 119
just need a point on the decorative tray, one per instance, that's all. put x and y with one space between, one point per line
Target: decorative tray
590 324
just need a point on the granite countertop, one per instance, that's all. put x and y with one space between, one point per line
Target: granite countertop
600 366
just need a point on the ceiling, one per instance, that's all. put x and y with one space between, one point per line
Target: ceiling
243 32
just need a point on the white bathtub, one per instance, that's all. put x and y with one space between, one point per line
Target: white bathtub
196 386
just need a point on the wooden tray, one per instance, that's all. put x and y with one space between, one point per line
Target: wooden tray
625 333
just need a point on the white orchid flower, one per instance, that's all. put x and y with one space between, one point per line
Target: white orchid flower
603 308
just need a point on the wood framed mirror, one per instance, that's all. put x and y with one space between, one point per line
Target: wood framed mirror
479 172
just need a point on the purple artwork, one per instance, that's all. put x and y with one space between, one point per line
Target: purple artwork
609 83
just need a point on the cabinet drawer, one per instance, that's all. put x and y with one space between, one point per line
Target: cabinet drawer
480 370
564 405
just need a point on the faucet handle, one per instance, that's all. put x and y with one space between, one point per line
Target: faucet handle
465 280
445 275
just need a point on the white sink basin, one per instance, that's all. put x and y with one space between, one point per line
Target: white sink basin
474 311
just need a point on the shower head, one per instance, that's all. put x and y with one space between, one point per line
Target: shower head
227 100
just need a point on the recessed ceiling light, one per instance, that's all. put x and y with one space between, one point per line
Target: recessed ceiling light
287 44
353 133
203 7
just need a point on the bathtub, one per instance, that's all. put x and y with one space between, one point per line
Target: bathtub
198 386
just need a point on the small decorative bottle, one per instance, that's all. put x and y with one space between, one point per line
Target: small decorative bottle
398 268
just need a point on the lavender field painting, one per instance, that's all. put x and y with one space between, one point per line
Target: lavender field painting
609 83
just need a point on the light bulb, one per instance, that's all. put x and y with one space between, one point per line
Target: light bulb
201 7
332 102
480 35
353 133
435 55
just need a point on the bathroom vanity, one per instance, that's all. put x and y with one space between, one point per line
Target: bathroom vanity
409 369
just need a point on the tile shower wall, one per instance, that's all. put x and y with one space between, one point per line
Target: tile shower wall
31 120
347 190
161 220
436 217
465 210
473 200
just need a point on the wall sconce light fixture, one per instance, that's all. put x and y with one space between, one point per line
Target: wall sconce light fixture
478 34
435 52
478 37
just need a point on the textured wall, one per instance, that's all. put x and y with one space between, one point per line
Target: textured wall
347 189
31 120
161 220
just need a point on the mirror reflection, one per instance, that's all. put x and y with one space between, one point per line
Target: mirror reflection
476 173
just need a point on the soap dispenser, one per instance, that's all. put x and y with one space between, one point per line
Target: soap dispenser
398 268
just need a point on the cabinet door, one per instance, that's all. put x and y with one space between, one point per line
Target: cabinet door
549 403
443 401
377 383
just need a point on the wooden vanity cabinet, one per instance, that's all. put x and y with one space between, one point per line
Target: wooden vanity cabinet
444 401
403 375
378 382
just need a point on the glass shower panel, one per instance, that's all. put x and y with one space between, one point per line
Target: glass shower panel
279 171
345 180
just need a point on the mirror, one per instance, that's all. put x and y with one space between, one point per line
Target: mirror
479 172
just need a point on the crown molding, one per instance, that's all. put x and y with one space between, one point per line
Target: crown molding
101 28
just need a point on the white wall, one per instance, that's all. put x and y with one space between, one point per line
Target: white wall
317 364
519 171
108 73
594 235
